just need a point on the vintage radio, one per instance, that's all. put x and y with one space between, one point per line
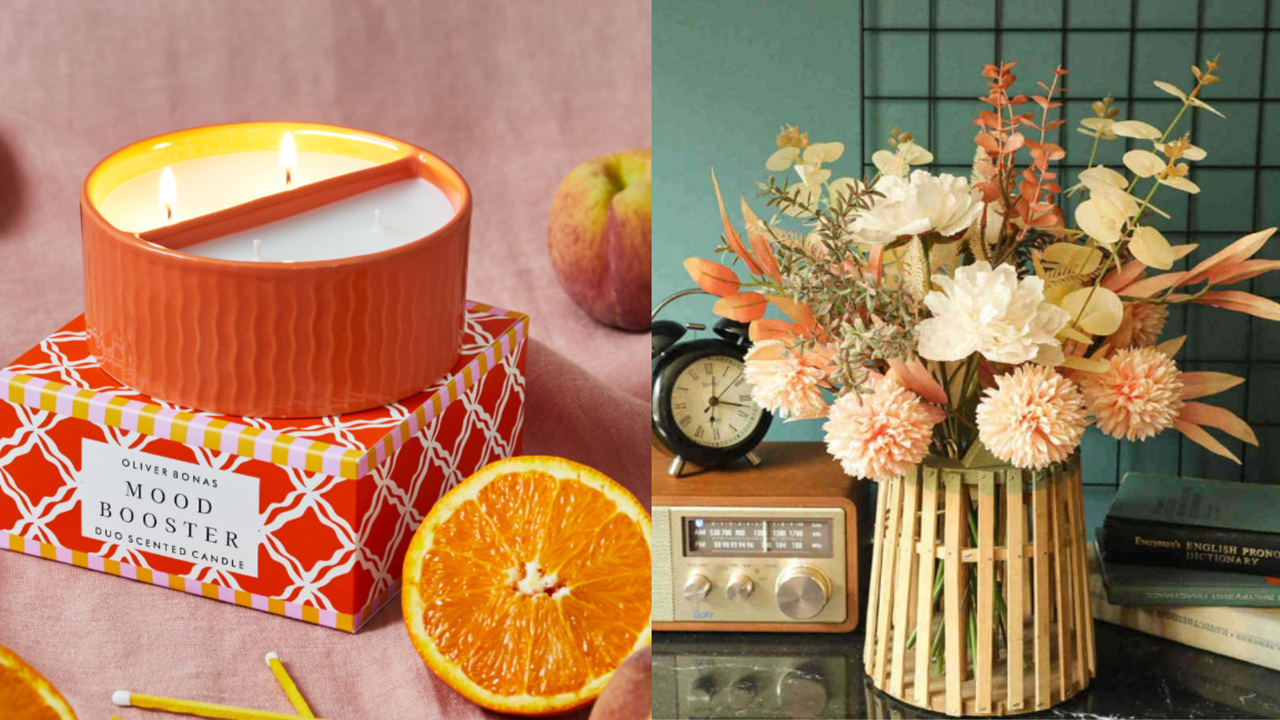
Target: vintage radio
773 548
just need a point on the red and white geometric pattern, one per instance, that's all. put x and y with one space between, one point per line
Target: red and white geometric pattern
340 496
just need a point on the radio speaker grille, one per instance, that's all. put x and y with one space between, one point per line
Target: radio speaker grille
663 600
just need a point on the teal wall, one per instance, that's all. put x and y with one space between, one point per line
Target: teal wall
728 73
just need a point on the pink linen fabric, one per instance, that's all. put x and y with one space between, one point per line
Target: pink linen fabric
513 94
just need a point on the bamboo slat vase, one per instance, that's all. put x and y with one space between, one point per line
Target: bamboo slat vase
978 602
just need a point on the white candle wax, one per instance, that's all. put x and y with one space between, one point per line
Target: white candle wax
376 220
217 182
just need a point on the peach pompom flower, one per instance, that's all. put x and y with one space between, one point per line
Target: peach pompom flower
881 434
784 383
1138 396
1148 321
1142 393
1033 418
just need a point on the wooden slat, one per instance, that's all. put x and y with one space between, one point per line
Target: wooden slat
911 598
1040 562
924 584
955 650
1062 598
986 590
905 574
887 568
1028 592
1015 513
1083 593
873 592
1080 605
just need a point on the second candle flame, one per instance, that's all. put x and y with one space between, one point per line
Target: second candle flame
168 194
288 158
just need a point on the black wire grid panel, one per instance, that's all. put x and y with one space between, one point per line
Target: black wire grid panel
921 62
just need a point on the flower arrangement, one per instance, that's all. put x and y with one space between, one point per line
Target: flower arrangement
934 314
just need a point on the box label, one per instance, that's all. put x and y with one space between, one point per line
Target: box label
170 507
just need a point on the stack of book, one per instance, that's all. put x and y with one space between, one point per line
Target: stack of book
1194 561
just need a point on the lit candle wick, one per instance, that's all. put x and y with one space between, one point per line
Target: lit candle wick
168 194
377 219
257 249
288 158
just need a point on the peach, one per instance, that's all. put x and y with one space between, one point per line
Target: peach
601 237
628 696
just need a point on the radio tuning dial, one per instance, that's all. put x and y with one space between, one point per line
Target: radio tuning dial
697 587
802 592
739 587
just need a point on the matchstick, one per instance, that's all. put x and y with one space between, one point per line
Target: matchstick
124 698
290 689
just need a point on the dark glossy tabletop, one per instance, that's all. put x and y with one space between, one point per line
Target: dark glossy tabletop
714 675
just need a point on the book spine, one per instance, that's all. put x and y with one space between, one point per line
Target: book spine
1192 597
1245 634
1187 546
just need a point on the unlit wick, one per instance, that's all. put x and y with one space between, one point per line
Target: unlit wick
257 249
377 218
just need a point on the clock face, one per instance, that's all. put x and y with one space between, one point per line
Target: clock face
712 403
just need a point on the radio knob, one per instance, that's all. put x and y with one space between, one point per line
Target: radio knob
697 587
740 587
802 592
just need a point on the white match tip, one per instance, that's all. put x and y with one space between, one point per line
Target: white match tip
123 698
271 656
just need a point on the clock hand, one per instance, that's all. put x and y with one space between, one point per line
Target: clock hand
726 387
726 402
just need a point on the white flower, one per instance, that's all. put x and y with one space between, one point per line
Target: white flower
994 313
943 204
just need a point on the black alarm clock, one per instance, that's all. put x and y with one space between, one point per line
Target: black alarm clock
702 407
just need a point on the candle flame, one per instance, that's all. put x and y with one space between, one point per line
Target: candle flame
288 158
168 194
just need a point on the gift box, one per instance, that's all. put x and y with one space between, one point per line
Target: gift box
305 518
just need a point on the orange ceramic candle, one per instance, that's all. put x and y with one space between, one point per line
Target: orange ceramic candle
274 339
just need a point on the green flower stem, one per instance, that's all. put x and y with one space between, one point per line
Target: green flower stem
973 636
937 594
936 649
1094 152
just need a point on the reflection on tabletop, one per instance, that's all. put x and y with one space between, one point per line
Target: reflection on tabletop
717 675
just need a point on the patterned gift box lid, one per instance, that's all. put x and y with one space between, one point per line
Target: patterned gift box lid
60 376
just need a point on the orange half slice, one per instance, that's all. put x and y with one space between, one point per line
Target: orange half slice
528 584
